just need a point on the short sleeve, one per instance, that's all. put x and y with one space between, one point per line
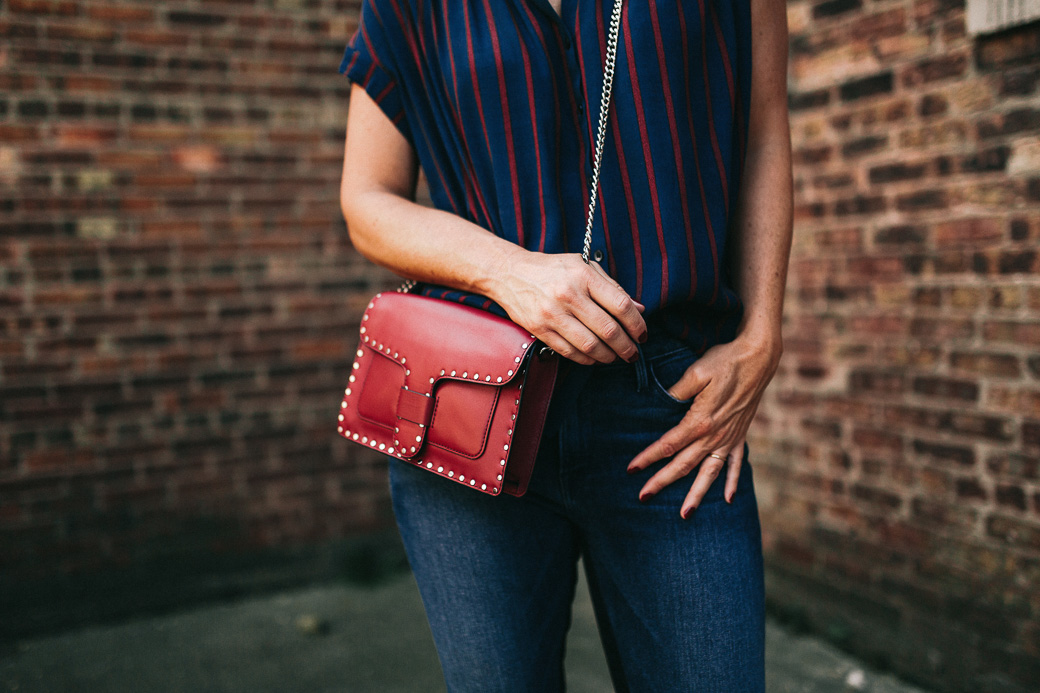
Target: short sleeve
368 62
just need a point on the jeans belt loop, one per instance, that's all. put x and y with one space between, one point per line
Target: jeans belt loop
641 375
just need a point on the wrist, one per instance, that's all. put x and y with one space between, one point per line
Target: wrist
496 269
762 335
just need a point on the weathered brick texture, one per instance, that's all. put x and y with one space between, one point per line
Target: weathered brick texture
897 452
179 299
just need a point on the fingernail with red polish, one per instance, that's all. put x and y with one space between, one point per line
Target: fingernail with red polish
642 338
643 497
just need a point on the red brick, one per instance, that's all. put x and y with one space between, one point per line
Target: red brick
153 37
946 388
969 232
932 69
983 363
121 13
82 31
19 133
65 8
876 439
1017 333
981 426
876 497
868 381
1012 122
950 328
1031 434
1014 46
872 27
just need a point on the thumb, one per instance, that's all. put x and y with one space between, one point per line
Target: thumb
691 382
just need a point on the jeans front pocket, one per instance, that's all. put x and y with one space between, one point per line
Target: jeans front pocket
665 370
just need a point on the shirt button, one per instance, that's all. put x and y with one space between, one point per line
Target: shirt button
598 255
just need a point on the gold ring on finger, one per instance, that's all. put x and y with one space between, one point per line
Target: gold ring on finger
719 457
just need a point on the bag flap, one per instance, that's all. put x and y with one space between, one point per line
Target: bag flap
435 339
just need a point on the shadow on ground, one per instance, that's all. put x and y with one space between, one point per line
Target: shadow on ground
338 637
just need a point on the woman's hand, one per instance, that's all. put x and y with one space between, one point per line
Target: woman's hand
726 382
578 310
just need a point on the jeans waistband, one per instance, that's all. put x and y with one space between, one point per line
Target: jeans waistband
573 376
655 346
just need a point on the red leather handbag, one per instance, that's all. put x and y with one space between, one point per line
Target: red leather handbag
450 388
454 389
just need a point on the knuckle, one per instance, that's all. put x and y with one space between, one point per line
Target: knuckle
547 316
562 291
669 447
576 355
611 331
703 426
620 302
567 350
588 345
687 466
540 325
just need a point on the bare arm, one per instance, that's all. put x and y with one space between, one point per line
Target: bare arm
386 225
576 309
728 380
763 219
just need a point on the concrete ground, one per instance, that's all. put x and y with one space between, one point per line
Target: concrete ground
341 638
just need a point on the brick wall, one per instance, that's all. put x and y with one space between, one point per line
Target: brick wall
898 448
179 304
178 296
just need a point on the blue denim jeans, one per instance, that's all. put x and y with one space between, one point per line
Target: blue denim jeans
679 603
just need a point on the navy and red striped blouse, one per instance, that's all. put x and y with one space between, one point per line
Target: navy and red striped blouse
500 99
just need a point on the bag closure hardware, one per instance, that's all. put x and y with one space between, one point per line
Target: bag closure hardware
414 411
414 406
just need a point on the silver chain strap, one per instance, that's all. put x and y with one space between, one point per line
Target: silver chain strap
604 104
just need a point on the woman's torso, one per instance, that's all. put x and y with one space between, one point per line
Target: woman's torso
500 99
